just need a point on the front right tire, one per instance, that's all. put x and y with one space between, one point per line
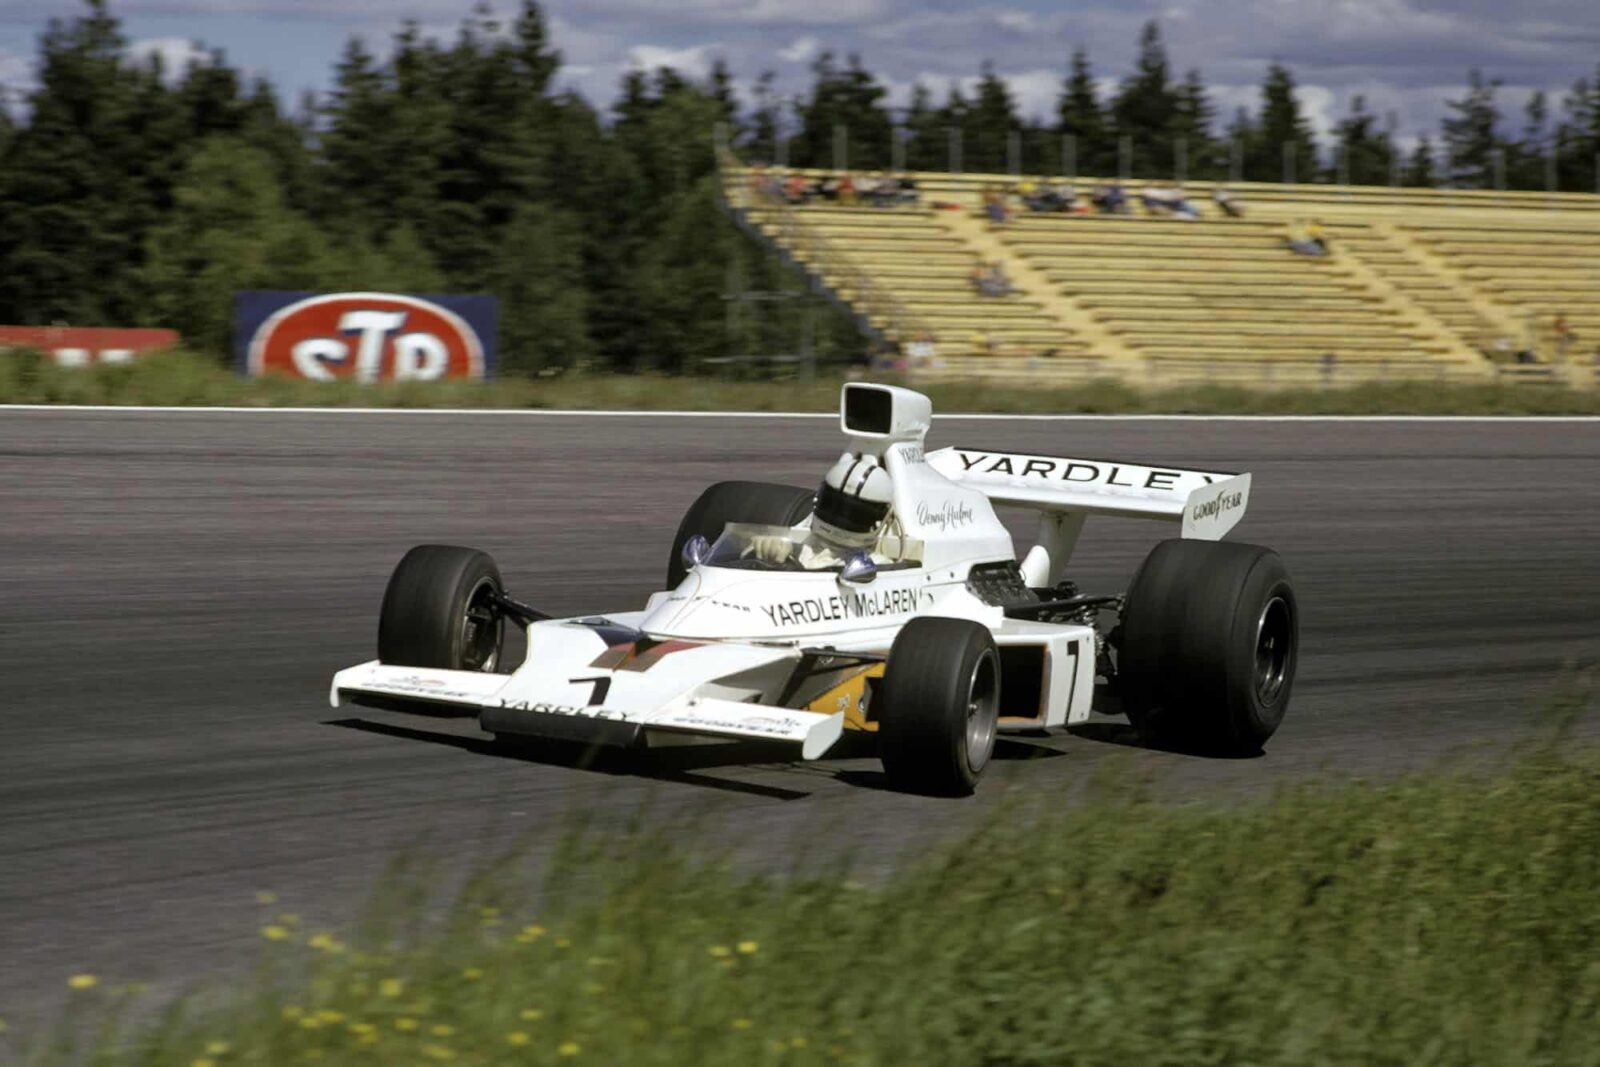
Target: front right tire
938 706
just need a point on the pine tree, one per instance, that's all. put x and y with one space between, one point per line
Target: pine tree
1578 136
1192 121
1080 115
1146 106
1367 152
850 99
1527 168
759 138
1280 124
927 139
1472 144
1420 169
989 124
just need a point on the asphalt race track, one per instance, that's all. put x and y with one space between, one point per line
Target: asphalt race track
176 589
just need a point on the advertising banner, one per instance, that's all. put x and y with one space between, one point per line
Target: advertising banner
364 337
79 346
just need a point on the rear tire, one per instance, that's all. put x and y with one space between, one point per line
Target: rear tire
437 611
938 706
1210 640
725 502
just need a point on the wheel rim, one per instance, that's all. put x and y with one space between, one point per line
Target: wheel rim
480 629
1274 649
983 708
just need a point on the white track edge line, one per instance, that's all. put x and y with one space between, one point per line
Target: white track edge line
138 409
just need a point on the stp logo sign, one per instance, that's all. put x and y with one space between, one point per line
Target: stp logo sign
364 337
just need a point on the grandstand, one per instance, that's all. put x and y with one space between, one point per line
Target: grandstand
1446 285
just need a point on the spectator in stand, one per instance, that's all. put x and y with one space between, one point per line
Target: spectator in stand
989 279
1157 200
921 352
1182 207
797 190
909 193
1307 239
1564 335
1110 199
994 206
885 192
1228 203
847 190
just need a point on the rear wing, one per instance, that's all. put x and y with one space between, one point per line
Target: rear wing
1206 504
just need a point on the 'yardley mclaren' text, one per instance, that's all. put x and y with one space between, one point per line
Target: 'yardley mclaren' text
847 606
1077 471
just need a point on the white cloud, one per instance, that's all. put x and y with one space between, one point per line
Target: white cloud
800 50
692 62
176 54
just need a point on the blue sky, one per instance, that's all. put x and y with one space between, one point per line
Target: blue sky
1407 56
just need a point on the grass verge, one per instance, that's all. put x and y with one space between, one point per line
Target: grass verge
1444 918
182 379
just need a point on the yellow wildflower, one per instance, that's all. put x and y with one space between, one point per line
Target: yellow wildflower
327 1015
742 1024
289 918
405 1024
82 981
275 932
310 1022
443 1030
472 974
266 897
720 951
531 932
439 1052
361 1028
531 1015
202 1063
218 1048
324 942
797 1042
517 1038
749 948
569 1048
563 942
391 987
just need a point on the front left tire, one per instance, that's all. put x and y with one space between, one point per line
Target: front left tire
438 610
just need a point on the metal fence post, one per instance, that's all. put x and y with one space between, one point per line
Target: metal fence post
953 160
841 147
1498 162
897 148
1014 153
1288 162
1069 157
1236 161
1124 157
1180 159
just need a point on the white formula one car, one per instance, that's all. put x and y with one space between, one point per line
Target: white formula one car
889 602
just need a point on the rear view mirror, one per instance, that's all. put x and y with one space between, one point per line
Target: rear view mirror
858 569
696 551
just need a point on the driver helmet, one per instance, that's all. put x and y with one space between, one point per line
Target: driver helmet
853 501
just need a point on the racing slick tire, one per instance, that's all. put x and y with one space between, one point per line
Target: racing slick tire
438 611
938 706
725 502
1209 640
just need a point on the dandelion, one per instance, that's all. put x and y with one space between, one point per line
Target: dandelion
439 1052
218 1048
361 1029
797 1042
391 987
333 1018
310 1022
472 974
563 942
531 1015
742 1024
749 948
720 951
569 1048
443 1030
82 981
202 1062
266 897
531 932
517 1038
275 932
405 1024
326 943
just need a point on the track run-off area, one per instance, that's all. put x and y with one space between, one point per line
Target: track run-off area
177 586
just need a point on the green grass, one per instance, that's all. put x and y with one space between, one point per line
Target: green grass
186 379
1444 918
